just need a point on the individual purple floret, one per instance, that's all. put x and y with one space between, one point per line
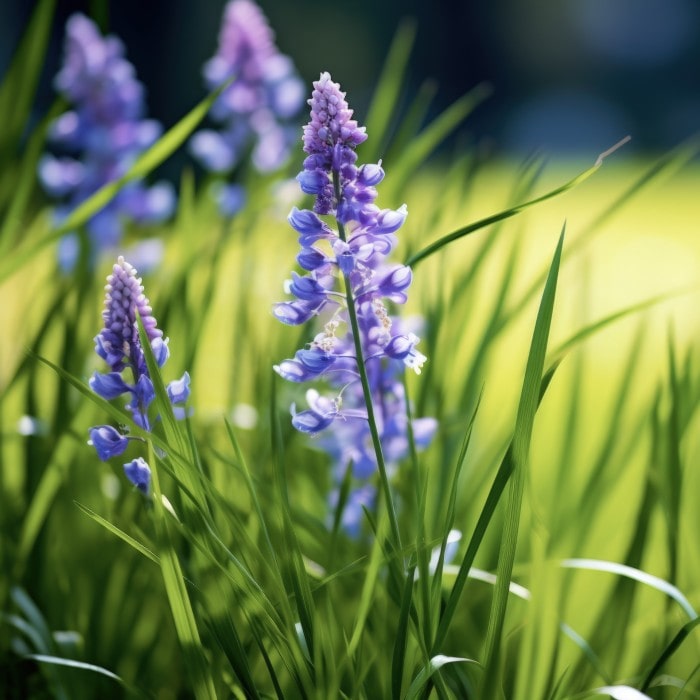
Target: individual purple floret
100 137
255 110
350 255
119 345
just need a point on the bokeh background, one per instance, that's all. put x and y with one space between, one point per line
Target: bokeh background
570 77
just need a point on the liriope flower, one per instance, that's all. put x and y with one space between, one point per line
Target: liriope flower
254 112
100 137
350 255
119 345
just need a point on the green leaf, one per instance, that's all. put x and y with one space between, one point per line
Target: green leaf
621 692
494 218
385 98
193 652
81 665
399 655
670 649
436 132
140 548
20 81
520 448
436 663
637 575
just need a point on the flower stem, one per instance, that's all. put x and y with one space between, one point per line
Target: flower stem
367 392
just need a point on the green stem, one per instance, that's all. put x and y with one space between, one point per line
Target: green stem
367 392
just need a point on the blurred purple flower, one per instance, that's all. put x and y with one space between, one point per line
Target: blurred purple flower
253 112
101 136
351 257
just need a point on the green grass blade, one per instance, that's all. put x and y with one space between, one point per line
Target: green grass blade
529 401
384 101
296 571
494 218
436 663
193 652
436 132
451 510
80 665
140 548
142 166
399 656
670 649
637 575
621 692
20 81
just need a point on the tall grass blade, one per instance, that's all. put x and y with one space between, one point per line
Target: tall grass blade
193 652
399 656
384 101
20 82
431 249
436 132
110 527
670 649
524 423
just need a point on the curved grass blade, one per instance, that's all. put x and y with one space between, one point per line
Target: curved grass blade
621 692
70 663
641 576
142 166
494 218
436 663
668 164
524 423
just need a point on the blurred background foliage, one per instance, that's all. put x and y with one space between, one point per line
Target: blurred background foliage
569 76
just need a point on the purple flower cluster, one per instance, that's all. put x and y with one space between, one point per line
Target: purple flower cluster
350 257
101 136
118 344
254 111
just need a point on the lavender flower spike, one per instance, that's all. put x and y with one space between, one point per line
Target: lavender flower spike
348 285
254 112
119 345
99 139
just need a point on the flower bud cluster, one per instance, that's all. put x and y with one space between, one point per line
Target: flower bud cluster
100 136
349 257
119 345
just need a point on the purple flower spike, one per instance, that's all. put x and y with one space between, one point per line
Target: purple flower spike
255 110
345 268
101 136
119 344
